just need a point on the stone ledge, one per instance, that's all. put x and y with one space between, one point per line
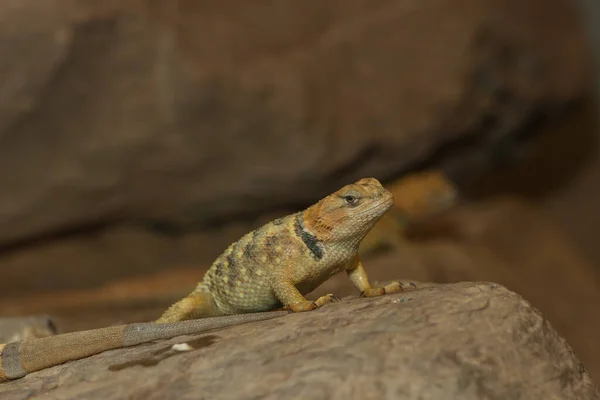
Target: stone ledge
464 340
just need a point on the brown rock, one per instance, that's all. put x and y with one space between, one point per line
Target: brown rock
194 111
510 242
467 341
504 240
26 328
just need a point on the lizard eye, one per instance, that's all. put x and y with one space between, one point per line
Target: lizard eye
352 200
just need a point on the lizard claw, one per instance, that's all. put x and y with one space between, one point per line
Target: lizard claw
334 299
409 284
311 305
301 306
328 298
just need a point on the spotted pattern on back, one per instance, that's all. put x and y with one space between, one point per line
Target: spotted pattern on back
305 248
237 277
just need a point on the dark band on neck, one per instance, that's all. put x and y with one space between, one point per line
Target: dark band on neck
308 238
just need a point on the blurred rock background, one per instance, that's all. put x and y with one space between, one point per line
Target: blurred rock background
139 138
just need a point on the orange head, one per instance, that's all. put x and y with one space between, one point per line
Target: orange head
349 213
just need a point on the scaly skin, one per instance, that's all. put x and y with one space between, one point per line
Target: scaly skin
273 266
278 263
18 359
417 196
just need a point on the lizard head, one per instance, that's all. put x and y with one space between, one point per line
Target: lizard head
350 212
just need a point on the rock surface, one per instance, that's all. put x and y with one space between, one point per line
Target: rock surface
26 328
514 244
192 111
465 340
502 240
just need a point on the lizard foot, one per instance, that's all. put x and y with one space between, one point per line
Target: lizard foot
387 289
308 305
328 298
406 285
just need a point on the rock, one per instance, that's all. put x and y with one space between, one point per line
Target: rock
513 243
190 112
13 329
465 340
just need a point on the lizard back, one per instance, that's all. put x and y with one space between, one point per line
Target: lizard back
307 248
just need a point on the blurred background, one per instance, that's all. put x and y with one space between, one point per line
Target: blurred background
139 138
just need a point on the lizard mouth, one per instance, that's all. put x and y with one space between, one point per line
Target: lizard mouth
384 204
388 196
387 199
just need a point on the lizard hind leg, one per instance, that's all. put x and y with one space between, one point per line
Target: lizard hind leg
294 301
195 305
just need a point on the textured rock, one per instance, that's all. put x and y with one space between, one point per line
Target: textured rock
26 328
192 111
466 340
509 242
504 241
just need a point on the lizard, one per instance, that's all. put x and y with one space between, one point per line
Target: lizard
270 268
20 358
417 196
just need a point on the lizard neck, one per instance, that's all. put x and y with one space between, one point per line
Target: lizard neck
326 229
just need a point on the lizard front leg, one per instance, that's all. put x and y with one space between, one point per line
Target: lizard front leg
293 300
358 277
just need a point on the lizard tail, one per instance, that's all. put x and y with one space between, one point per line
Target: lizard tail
17 359
198 304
